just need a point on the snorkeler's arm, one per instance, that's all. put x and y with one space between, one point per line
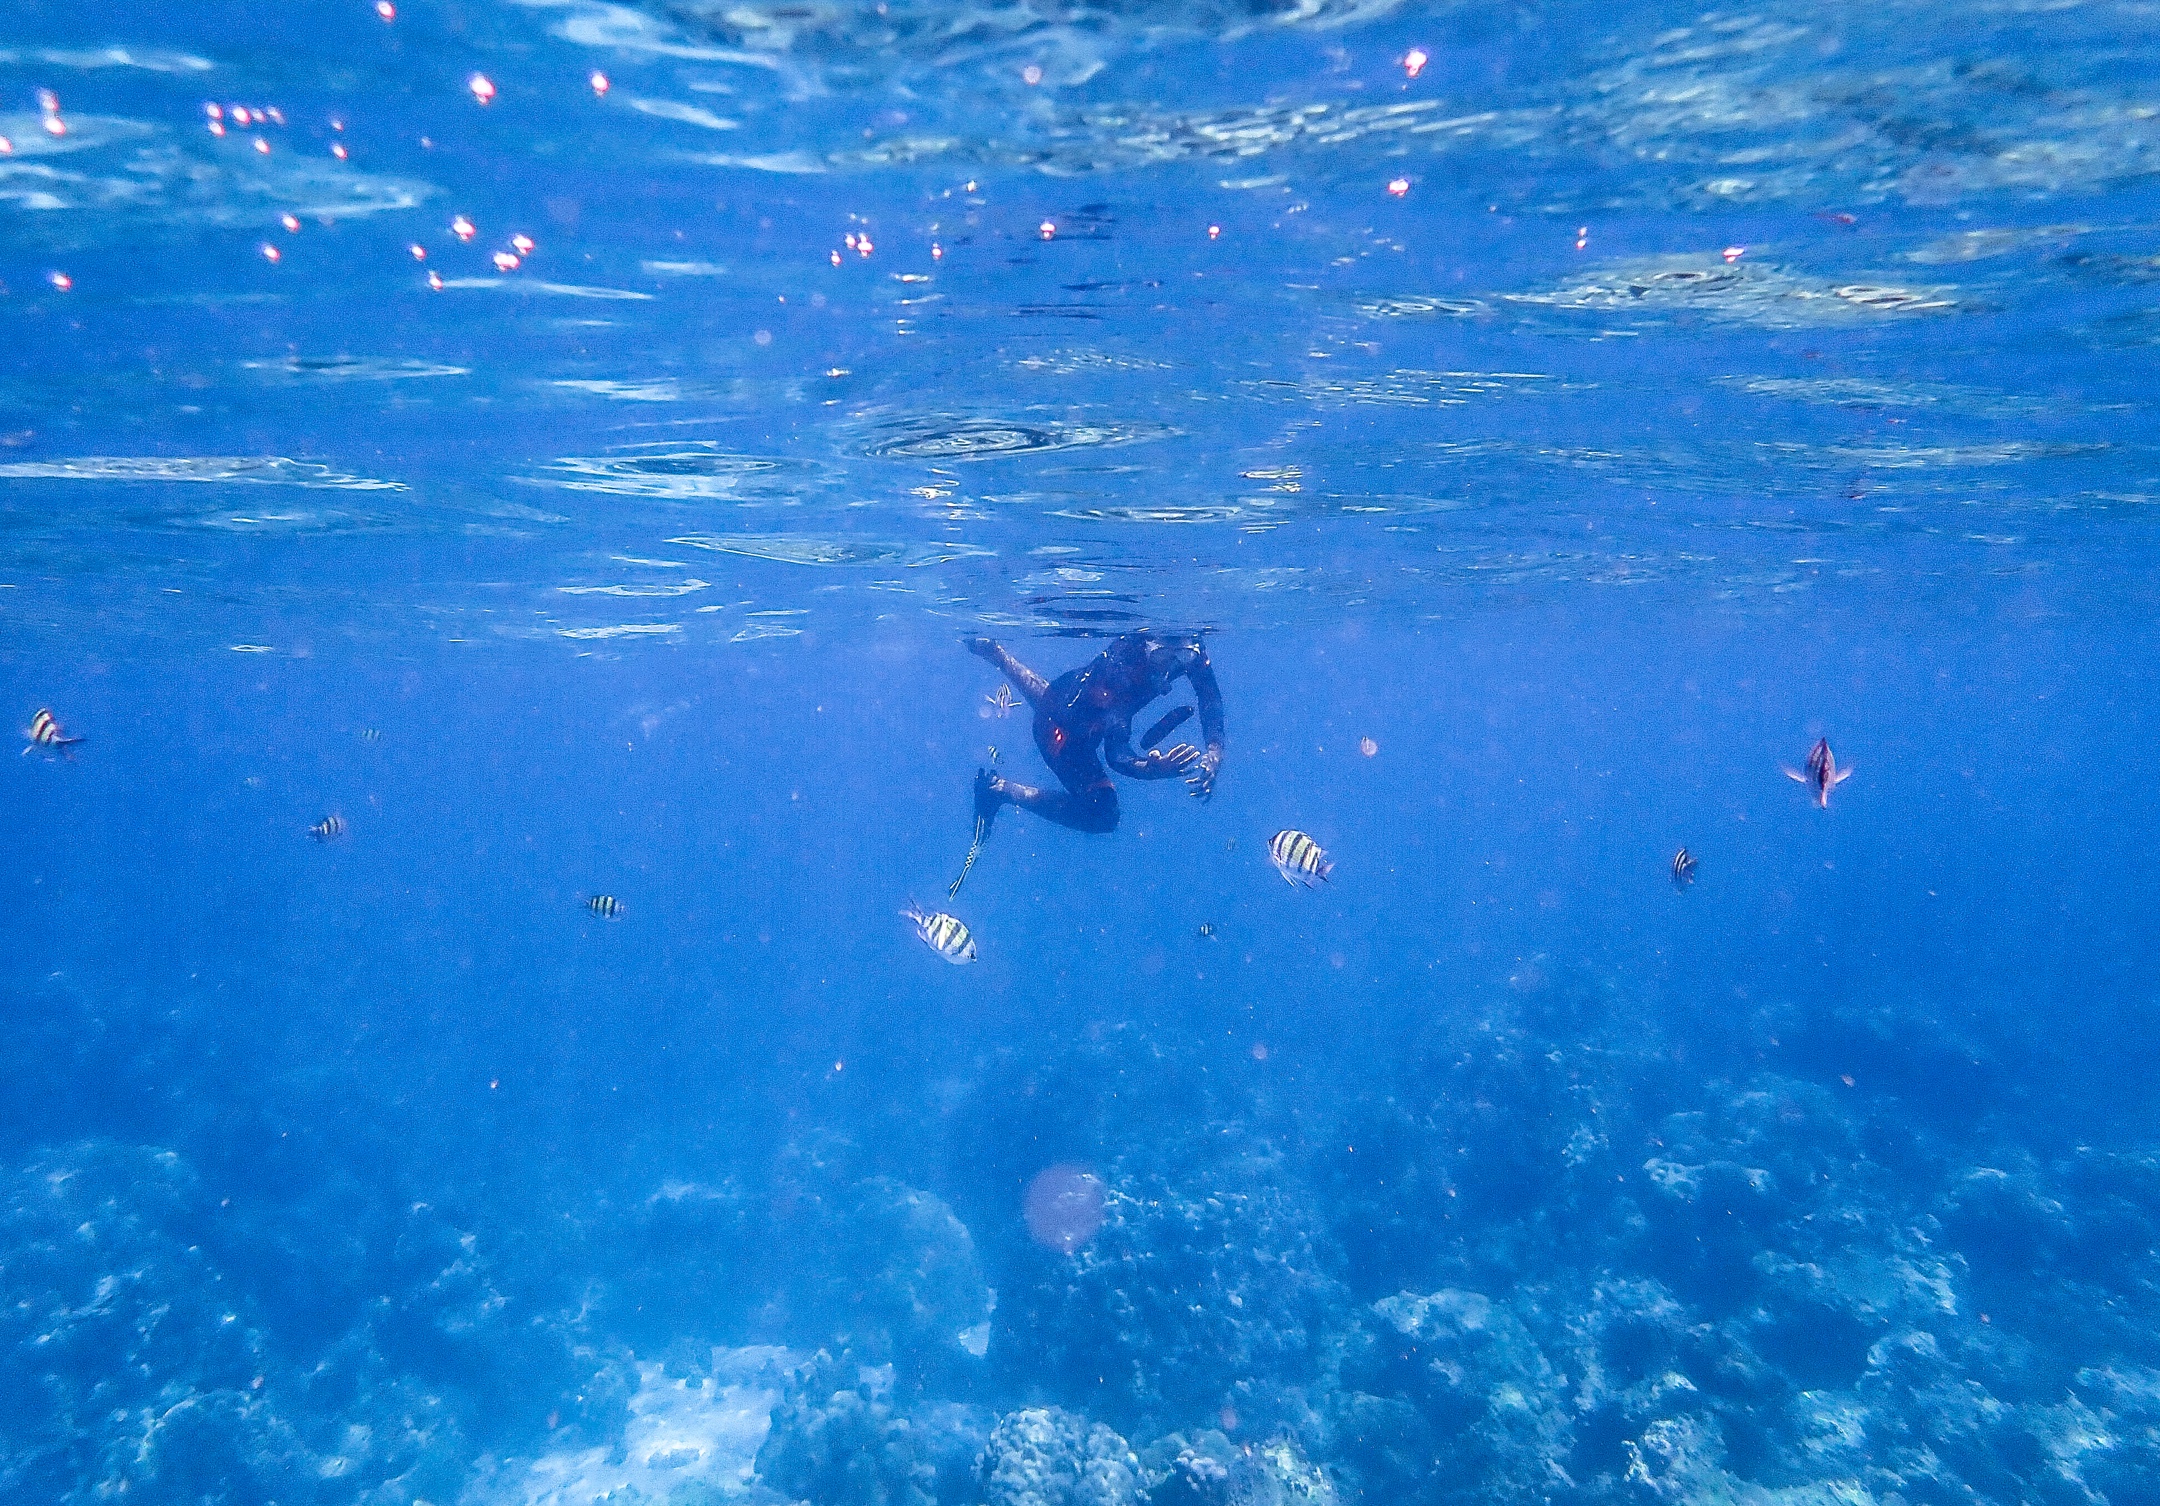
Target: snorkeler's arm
1156 763
1201 776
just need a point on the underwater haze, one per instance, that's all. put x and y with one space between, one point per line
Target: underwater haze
510 511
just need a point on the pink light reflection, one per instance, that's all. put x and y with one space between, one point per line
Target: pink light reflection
1063 1207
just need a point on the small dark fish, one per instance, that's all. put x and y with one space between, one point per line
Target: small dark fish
1002 700
47 736
1172 720
1683 868
1207 930
1823 774
606 906
328 829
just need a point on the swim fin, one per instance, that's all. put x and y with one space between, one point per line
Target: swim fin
1173 719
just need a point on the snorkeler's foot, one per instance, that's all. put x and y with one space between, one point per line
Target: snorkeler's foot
989 795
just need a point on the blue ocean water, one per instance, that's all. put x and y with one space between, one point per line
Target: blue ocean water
571 445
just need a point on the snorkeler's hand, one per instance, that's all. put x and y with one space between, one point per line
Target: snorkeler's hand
1200 781
982 648
1168 763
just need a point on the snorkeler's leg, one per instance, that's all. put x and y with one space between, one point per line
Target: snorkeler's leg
1030 684
1091 810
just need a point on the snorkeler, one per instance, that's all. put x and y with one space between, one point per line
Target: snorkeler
1084 718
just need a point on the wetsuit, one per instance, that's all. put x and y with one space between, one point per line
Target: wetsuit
1083 720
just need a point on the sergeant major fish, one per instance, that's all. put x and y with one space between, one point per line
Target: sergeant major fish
1001 701
1683 868
606 906
943 934
47 736
1823 774
1298 858
328 829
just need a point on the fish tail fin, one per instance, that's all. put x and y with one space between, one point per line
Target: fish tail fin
1843 775
1327 872
1793 774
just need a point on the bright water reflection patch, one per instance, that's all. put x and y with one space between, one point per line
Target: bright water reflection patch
271 470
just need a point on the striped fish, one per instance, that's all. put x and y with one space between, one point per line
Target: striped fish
943 934
606 906
1298 858
1683 868
1001 701
46 735
371 734
328 829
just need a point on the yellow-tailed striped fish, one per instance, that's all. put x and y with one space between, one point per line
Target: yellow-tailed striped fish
328 829
46 735
943 934
606 906
1298 858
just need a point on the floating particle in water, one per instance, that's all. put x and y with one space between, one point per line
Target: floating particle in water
762 337
937 252
599 82
60 280
1047 230
434 280
483 88
836 258
217 127
1214 232
262 144
1414 61
7 147
213 109
521 244
1398 186
462 228
1367 746
49 107
1733 254
1063 1207
270 252
277 116
1259 1051
1031 75
291 222
505 261
419 252
337 150
386 10
1582 237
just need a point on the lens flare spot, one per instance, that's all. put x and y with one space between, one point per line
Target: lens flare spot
1063 1207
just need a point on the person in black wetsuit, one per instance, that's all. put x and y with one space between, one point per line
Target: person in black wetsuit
1084 718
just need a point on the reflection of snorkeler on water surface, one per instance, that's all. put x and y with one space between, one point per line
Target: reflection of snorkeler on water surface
1084 718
